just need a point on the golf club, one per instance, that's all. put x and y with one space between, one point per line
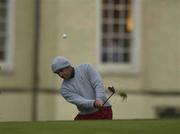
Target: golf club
112 90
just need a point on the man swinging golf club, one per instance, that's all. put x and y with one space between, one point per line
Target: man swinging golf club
83 86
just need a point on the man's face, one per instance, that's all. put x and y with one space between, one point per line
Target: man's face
65 73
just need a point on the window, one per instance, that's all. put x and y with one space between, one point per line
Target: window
6 34
119 36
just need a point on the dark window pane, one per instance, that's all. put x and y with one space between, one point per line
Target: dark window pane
116 28
2 27
3 1
2 42
126 43
126 14
116 14
3 16
2 55
127 2
104 57
115 41
123 2
115 57
126 57
105 13
122 28
122 14
3 12
116 2
105 1
104 41
105 28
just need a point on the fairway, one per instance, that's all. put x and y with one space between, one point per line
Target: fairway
165 126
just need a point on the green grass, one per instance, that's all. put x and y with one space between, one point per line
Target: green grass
165 126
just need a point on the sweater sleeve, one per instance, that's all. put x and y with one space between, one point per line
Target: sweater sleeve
76 99
96 82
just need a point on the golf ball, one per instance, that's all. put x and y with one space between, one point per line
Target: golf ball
64 35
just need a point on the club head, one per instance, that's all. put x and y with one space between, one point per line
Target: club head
111 89
123 95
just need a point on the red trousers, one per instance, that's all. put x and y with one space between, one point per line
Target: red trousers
103 114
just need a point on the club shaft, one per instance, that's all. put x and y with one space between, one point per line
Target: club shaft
107 99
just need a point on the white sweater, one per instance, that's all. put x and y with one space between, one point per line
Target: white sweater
84 88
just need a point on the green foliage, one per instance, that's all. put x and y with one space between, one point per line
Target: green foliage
123 95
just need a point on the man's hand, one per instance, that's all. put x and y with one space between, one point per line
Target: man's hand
98 104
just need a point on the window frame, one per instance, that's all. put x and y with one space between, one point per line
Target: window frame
7 66
126 68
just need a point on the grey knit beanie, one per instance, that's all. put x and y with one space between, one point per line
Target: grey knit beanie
59 62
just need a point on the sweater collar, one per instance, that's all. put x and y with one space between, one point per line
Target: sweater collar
72 73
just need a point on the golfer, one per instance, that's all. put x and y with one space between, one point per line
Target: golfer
82 86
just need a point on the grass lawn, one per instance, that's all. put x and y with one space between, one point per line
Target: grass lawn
163 126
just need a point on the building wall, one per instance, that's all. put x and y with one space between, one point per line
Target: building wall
15 97
161 44
161 52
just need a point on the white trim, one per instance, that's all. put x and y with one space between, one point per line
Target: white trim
132 68
8 64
